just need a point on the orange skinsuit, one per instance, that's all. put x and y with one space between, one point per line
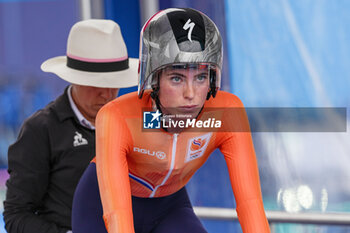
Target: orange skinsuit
133 161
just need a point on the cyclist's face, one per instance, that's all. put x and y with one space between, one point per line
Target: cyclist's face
183 91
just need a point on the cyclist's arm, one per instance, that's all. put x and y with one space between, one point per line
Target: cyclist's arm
112 138
238 150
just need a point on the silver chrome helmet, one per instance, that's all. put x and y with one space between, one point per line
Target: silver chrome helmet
179 36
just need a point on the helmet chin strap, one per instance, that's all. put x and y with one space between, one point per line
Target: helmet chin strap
155 97
212 83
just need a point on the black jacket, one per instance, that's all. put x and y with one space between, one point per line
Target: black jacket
45 165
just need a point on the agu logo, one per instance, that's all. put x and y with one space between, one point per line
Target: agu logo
151 120
197 146
159 154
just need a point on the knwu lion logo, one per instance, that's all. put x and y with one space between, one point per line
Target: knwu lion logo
197 146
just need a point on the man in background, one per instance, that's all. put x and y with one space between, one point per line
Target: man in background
56 143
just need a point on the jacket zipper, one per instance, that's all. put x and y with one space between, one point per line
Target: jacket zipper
172 164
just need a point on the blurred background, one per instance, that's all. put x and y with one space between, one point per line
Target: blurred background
279 53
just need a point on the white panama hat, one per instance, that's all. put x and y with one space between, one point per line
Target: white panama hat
96 56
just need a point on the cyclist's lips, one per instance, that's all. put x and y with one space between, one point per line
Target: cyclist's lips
189 107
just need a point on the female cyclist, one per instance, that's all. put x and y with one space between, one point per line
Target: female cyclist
142 172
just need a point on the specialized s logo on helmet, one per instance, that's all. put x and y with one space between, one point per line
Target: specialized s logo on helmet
189 25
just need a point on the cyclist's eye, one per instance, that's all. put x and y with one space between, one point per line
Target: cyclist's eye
175 78
202 77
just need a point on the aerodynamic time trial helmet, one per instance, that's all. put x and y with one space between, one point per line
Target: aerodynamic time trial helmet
182 38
